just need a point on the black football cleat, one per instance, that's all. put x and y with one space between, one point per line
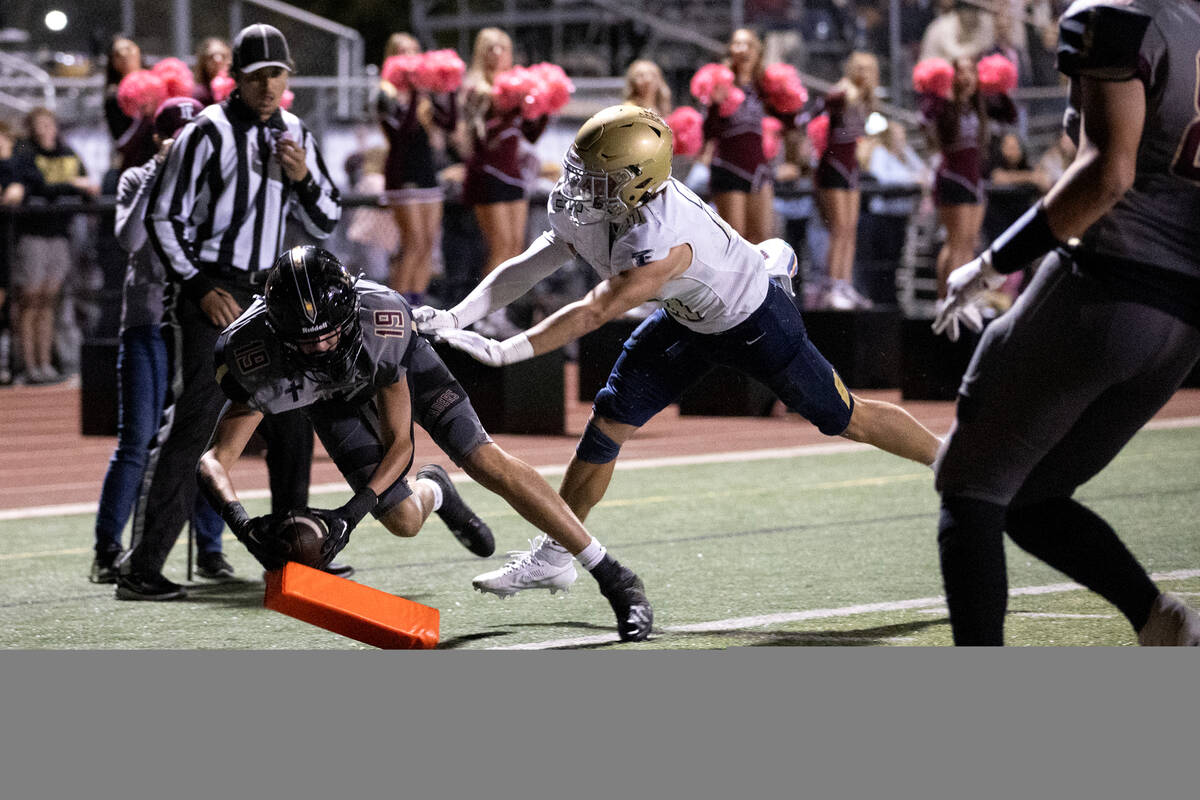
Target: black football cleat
627 596
471 532
148 587
104 566
213 566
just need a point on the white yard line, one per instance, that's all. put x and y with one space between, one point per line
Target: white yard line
742 623
34 512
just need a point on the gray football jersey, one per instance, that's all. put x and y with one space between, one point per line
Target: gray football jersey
1157 221
251 368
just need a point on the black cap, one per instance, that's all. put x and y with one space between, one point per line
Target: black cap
261 46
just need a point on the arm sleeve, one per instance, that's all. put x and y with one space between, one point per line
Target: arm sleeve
172 200
317 202
512 279
133 200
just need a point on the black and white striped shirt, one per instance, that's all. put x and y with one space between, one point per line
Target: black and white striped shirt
221 198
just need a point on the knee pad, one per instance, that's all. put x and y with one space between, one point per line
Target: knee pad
596 447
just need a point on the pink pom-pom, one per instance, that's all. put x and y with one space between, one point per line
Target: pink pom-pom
286 100
818 133
687 126
997 75
783 88
550 90
399 70
772 137
511 87
732 102
221 87
934 76
140 92
709 79
439 71
176 75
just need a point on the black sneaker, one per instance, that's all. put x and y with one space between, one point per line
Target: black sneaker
104 567
340 570
471 532
148 587
627 596
213 566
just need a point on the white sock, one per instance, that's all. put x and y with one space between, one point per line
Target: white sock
592 555
437 493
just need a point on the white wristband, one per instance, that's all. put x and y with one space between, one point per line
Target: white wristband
516 348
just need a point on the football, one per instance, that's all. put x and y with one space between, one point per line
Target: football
301 537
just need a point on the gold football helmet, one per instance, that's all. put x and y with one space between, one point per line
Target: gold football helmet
620 158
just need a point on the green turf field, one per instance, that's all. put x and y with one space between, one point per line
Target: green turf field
815 550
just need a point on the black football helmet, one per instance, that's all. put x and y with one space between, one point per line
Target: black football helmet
310 298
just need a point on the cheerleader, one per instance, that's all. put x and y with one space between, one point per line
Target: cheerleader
213 58
847 105
415 123
957 127
740 176
495 185
645 86
133 138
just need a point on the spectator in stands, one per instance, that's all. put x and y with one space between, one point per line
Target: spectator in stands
1016 185
213 57
848 105
1054 161
15 175
44 259
415 123
142 367
958 31
741 179
892 161
133 139
645 86
957 127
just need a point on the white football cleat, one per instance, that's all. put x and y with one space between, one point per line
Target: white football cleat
1172 623
528 569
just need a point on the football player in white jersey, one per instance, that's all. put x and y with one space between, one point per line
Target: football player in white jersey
651 239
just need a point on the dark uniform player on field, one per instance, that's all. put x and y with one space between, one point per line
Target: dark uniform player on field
347 353
1098 343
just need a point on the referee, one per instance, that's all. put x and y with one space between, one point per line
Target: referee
216 220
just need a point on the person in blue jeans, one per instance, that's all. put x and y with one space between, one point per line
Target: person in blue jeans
142 368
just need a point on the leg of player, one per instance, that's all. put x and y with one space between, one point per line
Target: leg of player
529 494
892 429
436 493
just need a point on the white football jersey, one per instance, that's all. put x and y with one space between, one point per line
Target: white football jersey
726 281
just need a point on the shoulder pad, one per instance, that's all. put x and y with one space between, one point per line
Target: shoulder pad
1102 40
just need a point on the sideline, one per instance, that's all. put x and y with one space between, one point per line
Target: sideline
68 509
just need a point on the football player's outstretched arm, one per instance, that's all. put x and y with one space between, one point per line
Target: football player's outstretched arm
234 429
502 285
608 300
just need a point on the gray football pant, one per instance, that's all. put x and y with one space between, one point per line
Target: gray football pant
1057 387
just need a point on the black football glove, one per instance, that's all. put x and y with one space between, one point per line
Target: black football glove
256 534
341 521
